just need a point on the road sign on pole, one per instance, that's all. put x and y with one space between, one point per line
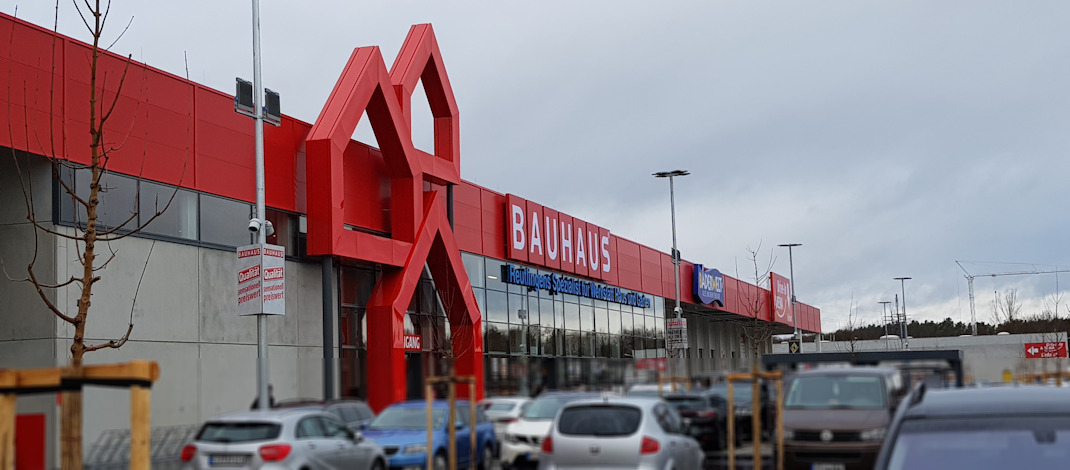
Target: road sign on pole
794 346
1045 350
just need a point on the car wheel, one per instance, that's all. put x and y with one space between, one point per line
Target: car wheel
487 462
379 465
440 462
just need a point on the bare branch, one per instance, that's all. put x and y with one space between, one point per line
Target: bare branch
120 34
116 344
48 303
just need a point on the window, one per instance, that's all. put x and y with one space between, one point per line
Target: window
477 273
310 428
179 219
333 428
225 221
238 432
497 307
599 420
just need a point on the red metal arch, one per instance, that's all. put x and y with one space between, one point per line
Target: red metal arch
420 233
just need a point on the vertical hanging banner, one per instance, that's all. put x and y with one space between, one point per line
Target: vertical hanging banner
261 280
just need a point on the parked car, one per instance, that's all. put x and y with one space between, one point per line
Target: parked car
837 418
708 415
299 438
619 432
502 411
743 402
1001 427
523 437
401 429
354 413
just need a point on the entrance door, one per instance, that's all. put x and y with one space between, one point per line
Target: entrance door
414 371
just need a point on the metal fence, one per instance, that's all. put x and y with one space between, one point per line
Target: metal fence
112 448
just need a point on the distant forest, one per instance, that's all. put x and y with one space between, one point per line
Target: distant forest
947 327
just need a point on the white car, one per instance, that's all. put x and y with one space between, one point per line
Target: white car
297 438
503 411
523 437
619 433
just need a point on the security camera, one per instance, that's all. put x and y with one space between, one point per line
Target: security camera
269 228
254 225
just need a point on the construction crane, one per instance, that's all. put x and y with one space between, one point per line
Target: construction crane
969 281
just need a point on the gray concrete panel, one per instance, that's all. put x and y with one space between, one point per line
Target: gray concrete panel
228 378
163 309
310 307
36 174
27 353
23 314
309 372
219 320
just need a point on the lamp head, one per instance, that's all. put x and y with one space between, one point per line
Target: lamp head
666 174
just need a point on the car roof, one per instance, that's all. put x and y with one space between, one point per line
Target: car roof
996 401
642 402
423 404
268 415
505 400
836 371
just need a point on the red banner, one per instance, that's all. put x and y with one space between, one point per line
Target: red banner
781 287
1045 350
651 363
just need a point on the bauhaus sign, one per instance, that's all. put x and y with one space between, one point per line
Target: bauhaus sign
709 286
548 238
261 279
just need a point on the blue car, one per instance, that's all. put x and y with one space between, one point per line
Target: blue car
401 430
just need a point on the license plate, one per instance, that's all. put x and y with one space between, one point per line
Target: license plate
828 466
227 460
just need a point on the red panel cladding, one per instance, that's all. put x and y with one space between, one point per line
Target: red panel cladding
517 228
280 165
668 282
650 262
629 267
225 149
366 181
30 441
594 251
687 281
579 247
610 262
494 236
551 234
467 218
536 234
567 232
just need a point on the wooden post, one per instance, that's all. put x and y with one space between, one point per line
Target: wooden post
7 421
756 418
779 424
451 394
731 428
140 427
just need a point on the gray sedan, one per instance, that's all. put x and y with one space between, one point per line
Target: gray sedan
300 438
620 432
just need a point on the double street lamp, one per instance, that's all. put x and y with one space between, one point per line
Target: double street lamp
902 285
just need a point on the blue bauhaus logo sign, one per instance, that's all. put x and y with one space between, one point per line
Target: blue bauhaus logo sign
709 286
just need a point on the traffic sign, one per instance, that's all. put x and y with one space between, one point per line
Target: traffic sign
794 346
1045 350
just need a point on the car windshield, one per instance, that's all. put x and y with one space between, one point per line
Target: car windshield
599 420
687 403
836 391
547 406
1027 442
407 418
238 432
741 392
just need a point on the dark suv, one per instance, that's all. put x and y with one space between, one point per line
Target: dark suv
356 414
707 414
1001 427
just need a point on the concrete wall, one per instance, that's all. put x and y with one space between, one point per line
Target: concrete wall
726 341
985 358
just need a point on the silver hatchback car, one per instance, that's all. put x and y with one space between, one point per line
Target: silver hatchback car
299 438
620 432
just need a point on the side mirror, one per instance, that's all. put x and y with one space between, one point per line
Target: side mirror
358 437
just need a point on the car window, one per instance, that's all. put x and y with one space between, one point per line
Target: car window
667 418
364 411
501 406
462 416
687 403
1015 442
408 418
599 420
238 432
546 407
310 428
836 391
334 428
346 413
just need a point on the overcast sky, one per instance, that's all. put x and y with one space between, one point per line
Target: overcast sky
890 138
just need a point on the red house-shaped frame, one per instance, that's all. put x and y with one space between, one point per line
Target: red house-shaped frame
419 230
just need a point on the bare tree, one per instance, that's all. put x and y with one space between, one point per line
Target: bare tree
757 331
92 235
1006 308
850 327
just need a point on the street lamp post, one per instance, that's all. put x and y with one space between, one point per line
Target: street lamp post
884 318
677 311
791 279
902 285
